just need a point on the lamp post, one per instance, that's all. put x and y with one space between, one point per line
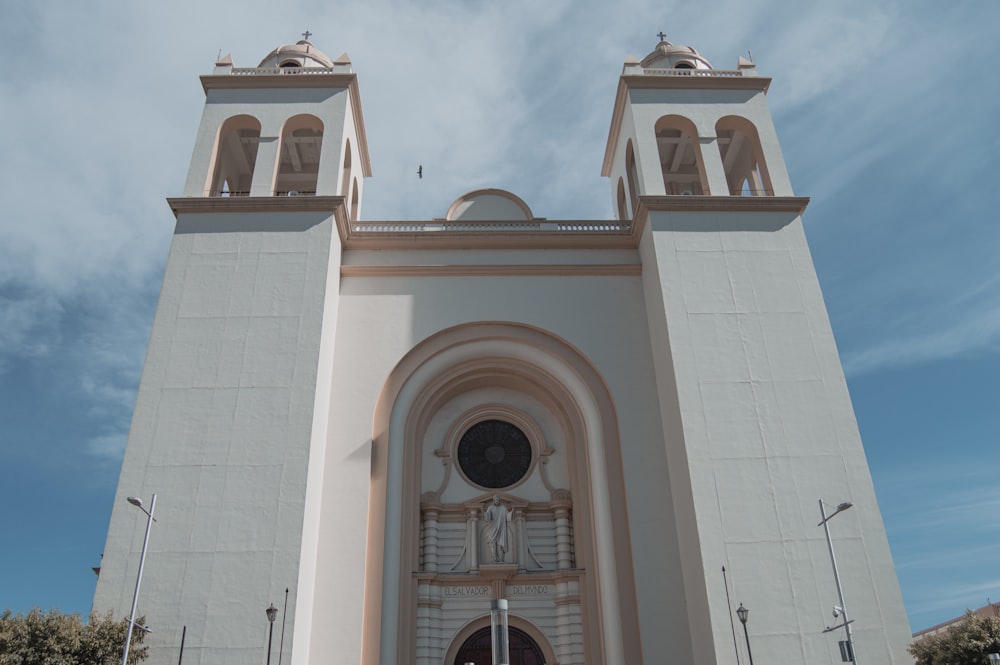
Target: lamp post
841 610
743 613
499 639
137 502
272 613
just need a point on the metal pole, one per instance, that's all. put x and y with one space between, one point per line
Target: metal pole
729 604
746 636
281 642
836 578
270 634
498 632
138 577
271 612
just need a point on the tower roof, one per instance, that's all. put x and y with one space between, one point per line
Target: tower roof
671 56
300 54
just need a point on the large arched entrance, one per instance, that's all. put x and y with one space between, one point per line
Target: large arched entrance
567 563
477 649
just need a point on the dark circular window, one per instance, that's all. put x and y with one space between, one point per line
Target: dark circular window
494 454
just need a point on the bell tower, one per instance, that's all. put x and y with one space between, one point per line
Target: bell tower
292 126
750 388
681 127
232 411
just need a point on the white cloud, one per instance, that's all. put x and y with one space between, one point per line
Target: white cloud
100 102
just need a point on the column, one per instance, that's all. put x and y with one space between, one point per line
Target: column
472 537
430 544
564 544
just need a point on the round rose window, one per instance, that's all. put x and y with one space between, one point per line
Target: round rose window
494 454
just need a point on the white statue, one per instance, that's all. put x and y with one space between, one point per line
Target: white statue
497 519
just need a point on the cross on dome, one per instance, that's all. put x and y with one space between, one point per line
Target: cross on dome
662 36
307 34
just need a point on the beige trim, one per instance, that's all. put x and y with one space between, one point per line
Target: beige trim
465 235
457 513
608 270
359 128
534 577
796 204
761 83
243 204
271 81
615 132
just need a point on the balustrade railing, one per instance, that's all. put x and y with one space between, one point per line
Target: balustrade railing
286 71
708 73
543 226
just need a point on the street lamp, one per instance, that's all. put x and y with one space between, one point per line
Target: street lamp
840 610
498 632
137 502
743 613
272 613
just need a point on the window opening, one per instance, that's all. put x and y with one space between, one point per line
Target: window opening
680 157
742 158
632 174
477 649
494 454
235 157
298 165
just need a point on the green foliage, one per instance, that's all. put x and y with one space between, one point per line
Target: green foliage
54 638
970 642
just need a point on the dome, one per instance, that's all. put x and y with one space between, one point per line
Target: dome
489 205
670 56
300 54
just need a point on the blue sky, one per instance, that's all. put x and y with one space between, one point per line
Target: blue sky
887 113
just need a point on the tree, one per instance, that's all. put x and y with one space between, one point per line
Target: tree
54 638
969 642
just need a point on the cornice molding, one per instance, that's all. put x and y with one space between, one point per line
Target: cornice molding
439 234
507 270
796 204
473 579
284 81
761 83
243 204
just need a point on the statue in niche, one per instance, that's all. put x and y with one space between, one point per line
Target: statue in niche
497 518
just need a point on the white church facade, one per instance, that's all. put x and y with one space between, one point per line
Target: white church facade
398 422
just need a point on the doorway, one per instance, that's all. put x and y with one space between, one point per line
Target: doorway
477 649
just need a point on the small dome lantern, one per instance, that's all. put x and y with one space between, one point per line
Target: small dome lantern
671 56
300 54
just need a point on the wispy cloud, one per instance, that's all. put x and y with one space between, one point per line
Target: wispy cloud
875 103
972 330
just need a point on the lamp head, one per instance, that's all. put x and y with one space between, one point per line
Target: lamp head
844 506
743 613
272 613
135 501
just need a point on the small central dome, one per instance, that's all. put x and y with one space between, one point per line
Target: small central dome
489 204
670 56
300 54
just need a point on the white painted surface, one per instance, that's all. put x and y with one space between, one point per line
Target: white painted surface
259 405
